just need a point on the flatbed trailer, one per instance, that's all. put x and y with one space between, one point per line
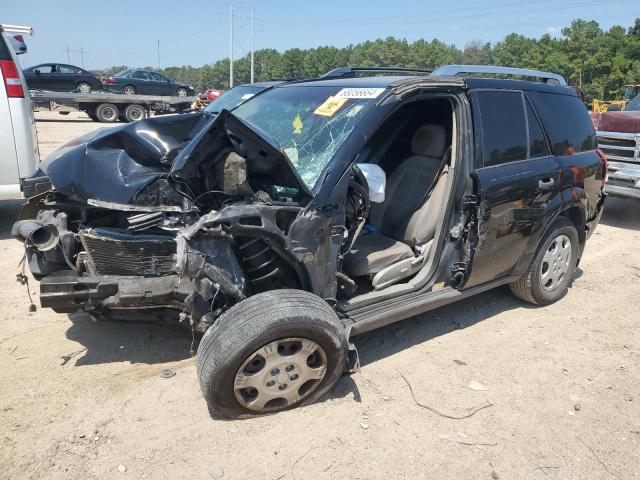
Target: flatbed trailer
109 107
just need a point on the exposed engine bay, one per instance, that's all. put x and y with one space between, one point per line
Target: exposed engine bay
188 213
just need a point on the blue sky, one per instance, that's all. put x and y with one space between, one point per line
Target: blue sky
120 32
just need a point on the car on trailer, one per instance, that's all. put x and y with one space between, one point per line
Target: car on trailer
145 82
319 210
60 77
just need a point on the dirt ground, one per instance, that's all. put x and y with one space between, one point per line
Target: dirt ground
561 384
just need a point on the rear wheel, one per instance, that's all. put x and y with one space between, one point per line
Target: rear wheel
270 352
84 87
134 112
551 271
107 113
129 90
181 92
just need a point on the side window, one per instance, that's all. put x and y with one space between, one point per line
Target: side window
64 69
504 131
566 122
44 68
140 75
156 77
537 143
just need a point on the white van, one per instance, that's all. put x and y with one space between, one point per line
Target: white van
19 156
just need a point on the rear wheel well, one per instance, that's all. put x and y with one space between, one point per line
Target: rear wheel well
577 216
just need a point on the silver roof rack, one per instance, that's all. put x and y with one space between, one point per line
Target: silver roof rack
453 70
17 29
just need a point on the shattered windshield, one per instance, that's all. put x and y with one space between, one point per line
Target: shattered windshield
233 97
309 123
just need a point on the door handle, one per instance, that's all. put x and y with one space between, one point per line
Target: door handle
546 183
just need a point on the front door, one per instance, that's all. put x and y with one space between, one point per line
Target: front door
517 182
161 84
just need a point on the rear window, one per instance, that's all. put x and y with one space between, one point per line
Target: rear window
504 131
566 122
537 142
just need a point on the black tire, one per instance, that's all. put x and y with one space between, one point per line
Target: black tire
92 115
129 90
134 112
107 113
84 87
256 322
181 92
530 286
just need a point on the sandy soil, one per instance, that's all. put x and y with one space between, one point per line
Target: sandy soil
85 400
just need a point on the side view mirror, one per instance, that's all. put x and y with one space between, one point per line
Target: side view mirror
376 181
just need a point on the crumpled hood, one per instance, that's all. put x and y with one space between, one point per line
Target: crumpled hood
624 122
112 165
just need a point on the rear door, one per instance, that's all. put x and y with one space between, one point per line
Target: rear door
162 84
573 141
517 182
68 77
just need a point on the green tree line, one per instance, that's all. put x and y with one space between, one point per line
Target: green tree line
598 61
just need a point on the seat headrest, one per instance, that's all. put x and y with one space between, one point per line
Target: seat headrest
429 141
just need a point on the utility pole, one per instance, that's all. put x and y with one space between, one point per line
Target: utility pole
82 53
158 44
252 43
231 45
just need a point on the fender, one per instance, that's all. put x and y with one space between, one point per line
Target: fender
553 208
568 200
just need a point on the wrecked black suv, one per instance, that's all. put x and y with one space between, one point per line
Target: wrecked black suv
319 210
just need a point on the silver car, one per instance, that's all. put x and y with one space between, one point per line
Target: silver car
19 156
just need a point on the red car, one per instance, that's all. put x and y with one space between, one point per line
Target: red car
210 94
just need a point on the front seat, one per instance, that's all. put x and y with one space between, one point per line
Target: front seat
406 220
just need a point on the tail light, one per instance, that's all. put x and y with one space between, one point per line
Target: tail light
605 166
108 80
12 82
19 38
97 75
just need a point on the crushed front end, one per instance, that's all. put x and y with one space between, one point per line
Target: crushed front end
189 213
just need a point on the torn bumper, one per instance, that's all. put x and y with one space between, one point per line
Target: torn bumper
67 291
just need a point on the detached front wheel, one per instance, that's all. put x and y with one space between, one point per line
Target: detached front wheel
270 352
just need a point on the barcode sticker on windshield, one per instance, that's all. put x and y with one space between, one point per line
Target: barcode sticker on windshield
359 93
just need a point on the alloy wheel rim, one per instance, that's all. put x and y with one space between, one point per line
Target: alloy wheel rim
128 91
182 93
280 374
555 263
85 88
